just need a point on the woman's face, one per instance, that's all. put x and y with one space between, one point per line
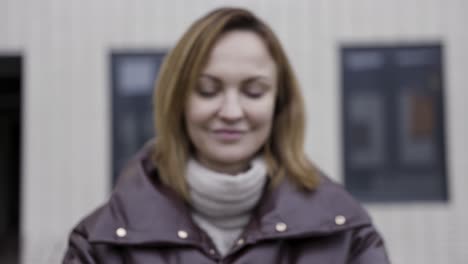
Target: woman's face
229 113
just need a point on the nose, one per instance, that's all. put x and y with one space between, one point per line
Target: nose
231 108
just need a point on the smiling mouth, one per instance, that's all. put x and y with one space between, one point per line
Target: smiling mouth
228 134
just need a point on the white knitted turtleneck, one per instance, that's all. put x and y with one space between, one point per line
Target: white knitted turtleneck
222 203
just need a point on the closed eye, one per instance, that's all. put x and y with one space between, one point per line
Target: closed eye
208 87
255 88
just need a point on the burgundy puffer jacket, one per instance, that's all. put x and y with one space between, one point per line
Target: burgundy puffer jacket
145 222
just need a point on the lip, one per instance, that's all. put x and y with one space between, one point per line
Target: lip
228 134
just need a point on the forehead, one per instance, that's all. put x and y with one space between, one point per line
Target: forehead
248 41
243 49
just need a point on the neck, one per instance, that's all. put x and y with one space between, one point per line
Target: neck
232 168
222 204
206 184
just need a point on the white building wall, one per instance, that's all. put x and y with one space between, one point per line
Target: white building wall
66 101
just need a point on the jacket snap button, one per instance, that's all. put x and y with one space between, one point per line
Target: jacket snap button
182 234
121 232
281 227
340 220
212 252
240 242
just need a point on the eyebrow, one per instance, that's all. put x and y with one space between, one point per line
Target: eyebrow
248 80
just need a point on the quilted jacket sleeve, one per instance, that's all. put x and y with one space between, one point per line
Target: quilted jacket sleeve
368 247
79 250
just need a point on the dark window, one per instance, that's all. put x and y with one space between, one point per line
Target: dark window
133 79
393 123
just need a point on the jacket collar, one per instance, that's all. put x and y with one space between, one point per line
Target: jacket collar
153 214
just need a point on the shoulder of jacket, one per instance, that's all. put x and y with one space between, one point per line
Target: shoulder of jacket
327 209
89 221
335 196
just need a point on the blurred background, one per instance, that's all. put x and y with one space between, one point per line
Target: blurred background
384 84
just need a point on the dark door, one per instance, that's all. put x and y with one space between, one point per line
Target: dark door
10 139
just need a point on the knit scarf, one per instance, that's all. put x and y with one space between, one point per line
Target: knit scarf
222 203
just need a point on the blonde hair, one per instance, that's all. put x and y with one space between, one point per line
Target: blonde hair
284 149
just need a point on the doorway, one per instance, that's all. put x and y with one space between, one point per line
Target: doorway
10 156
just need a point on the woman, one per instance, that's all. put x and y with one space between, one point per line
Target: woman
226 180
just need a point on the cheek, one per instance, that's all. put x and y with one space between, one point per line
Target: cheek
262 114
198 114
